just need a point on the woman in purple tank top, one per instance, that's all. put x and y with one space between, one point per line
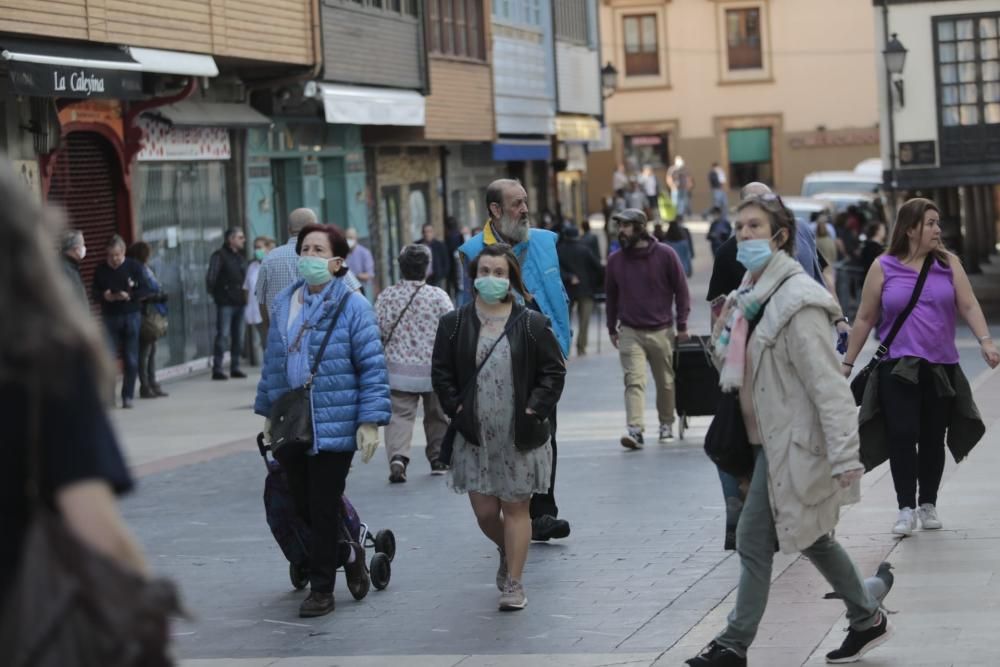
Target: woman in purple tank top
922 359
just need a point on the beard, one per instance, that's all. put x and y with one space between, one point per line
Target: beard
514 230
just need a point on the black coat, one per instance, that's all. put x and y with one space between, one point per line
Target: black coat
227 269
440 261
539 371
576 259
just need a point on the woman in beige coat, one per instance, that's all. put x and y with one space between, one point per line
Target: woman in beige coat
774 345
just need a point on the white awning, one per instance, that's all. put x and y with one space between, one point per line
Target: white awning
358 105
159 61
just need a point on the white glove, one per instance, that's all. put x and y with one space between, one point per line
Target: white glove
367 441
267 430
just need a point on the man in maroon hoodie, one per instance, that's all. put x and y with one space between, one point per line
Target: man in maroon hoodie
645 285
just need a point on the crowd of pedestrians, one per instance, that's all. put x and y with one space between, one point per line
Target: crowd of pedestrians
489 374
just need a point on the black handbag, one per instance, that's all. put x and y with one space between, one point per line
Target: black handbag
726 442
860 381
448 441
291 414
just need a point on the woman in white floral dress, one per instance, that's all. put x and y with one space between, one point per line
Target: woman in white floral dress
501 453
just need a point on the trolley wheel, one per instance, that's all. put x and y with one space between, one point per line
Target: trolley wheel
385 543
380 570
299 574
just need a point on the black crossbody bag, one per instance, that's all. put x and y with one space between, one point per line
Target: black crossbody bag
291 414
860 381
399 319
448 441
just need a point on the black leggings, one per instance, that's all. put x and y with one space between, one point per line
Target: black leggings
317 484
914 413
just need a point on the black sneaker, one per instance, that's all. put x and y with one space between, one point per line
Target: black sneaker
859 642
716 655
397 470
632 439
439 468
238 374
219 375
547 527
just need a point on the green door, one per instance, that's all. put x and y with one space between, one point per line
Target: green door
286 175
334 192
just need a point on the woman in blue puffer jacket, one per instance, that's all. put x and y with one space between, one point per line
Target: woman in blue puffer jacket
350 399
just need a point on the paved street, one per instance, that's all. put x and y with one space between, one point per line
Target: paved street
642 580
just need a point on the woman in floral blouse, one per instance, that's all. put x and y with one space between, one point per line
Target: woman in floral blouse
408 314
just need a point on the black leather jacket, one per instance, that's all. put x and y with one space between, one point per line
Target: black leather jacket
539 371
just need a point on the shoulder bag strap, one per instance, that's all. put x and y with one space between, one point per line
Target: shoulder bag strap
326 338
472 380
401 314
883 349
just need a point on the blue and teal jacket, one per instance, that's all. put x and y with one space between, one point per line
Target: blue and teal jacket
351 386
540 270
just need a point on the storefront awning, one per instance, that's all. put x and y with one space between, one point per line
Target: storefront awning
84 70
522 150
158 61
358 105
198 113
580 129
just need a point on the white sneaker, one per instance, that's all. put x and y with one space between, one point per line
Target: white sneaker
906 522
928 516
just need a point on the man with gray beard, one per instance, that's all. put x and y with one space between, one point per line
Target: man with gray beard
507 203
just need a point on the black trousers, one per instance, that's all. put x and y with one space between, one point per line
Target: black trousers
545 503
317 484
916 420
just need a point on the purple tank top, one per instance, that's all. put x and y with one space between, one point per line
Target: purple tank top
929 332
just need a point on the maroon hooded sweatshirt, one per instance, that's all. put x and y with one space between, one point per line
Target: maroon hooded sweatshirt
642 285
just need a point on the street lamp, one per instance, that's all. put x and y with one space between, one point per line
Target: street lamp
609 80
895 59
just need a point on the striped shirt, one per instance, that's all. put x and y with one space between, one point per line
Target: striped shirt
280 269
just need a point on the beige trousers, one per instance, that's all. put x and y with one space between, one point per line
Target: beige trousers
635 348
399 432
584 310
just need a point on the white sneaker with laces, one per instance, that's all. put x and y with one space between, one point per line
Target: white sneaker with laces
906 522
928 516
666 433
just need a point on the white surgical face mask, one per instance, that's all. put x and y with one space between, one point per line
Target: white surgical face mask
351 243
82 252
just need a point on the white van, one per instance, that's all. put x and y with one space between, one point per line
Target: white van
844 182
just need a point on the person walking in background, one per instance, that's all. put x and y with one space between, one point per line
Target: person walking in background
659 233
645 285
73 251
635 197
681 185
874 244
349 397
262 245
507 203
650 187
152 325
719 230
502 451
589 239
825 243
717 184
582 278
119 286
440 259
921 389
773 347
453 240
619 180
279 269
227 270
676 238
361 263
408 314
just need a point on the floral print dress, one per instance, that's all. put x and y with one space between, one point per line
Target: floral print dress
495 467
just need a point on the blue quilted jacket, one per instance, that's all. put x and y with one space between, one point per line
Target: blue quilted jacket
352 385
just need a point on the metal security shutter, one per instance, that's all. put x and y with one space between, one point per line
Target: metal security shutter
83 183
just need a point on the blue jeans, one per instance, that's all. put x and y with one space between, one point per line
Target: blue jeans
123 332
228 320
721 200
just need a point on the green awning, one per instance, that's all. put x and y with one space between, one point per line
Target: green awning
752 145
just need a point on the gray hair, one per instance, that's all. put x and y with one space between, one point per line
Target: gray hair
495 190
754 189
299 218
413 261
71 238
115 241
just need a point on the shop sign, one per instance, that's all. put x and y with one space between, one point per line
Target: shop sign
162 142
833 138
917 154
75 82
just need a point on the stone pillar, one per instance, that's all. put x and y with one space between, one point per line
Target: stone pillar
970 241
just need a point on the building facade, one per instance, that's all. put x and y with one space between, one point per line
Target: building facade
941 115
770 90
